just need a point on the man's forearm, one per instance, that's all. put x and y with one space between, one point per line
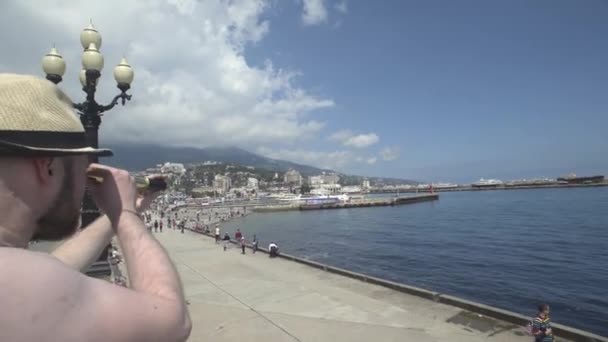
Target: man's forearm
149 266
83 249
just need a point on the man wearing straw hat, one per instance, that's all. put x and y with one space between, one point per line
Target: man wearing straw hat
43 167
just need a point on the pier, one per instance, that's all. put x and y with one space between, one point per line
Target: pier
500 187
353 203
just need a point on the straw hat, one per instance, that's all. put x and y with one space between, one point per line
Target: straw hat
37 119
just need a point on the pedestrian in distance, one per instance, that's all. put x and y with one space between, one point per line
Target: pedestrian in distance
217 234
541 325
254 244
226 240
243 245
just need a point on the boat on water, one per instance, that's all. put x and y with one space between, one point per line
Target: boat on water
316 202
573 179
444 186
284 197
487 183
530 182
352 190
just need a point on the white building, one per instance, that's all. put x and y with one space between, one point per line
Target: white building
293 177
175 168
315 181
326 189
325 181
252 183
331 178
366 184
222 184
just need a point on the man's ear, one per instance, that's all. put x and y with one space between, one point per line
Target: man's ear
44 168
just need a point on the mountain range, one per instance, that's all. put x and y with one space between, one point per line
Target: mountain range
137 157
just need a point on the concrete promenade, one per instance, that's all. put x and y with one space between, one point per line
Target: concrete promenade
235 297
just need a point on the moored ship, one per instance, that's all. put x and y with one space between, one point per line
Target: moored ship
487 183
573 179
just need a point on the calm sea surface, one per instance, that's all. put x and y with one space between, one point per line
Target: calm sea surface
510 249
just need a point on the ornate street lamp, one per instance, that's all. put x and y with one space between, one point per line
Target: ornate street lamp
90 111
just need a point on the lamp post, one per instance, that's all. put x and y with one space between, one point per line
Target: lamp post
90 111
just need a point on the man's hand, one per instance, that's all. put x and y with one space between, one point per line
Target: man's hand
115 193
148 196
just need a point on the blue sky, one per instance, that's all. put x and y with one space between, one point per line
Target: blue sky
427 90
464 89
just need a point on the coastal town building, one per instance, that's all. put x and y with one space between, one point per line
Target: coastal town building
222 183
293 177
175 168
325 183
203 190
326 189
330 178
315 181
252 183
366 184
324 178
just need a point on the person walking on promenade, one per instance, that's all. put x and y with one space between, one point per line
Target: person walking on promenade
226 240
160 226
243 245
238 235
541 325
217 234
254 244
155 226
45 162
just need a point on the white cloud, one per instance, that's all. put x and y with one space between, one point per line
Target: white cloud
371 161
193 84
314 12
350 139
362 140
389 153
341 7
341 136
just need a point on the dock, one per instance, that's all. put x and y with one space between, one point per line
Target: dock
354 203
501 187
